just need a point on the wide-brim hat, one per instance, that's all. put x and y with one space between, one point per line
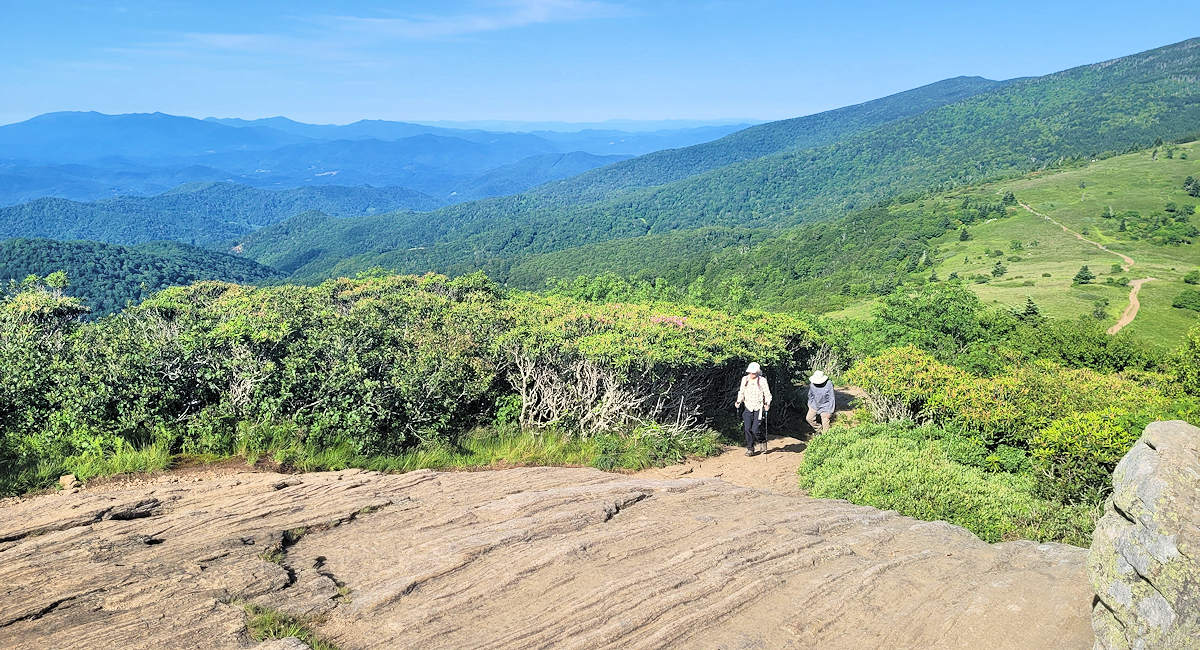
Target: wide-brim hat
818 377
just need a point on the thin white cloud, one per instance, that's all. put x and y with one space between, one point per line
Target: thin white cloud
346 38
506 15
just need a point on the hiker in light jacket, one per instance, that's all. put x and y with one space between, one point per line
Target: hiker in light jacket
755 393
820 401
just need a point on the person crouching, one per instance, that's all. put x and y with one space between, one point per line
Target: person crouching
755 393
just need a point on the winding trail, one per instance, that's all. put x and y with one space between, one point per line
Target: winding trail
1131 310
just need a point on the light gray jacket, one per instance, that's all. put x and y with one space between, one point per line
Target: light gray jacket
821 398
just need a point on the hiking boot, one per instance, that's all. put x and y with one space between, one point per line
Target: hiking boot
750 451
764 446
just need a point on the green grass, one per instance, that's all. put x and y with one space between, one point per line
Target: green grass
1129 182
645 447
265 624
930 474
126 460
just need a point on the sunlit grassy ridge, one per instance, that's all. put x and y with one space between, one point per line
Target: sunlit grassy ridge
1143 182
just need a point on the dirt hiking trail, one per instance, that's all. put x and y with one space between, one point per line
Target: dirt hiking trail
774 470
1131 310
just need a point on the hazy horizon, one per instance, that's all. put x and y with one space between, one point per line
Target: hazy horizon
615 124
538 61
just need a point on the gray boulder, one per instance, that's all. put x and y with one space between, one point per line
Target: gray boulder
1144 563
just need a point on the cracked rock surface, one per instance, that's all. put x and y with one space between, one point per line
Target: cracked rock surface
1145 557
521 558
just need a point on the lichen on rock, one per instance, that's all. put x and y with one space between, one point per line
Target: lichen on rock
1144 562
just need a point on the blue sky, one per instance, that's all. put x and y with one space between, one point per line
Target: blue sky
571 60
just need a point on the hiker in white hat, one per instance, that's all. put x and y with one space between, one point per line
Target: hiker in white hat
755 393
820 401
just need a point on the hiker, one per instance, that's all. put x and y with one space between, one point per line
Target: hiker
820 401
755 393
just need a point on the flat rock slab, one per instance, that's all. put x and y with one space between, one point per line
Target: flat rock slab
522 558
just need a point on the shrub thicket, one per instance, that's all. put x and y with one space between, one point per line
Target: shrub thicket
931 473
1006 408
1059 431
371 366
950 322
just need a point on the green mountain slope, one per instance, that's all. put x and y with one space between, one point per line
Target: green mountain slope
106 276
1007 130
847 262
209 214
663 167
530 172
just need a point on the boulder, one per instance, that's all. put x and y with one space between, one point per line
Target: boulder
68 481
1144 563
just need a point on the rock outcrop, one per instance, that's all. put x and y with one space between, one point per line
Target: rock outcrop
1145 557
522 558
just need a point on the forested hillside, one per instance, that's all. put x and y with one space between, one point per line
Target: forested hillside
207 214
663 167
1024 125
106 277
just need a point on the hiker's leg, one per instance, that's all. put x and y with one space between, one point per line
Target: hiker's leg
756 427
811 418
825 418
748 428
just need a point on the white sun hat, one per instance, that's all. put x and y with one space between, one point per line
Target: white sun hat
753 368
818 377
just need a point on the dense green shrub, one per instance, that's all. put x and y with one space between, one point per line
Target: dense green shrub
1075 455
1187 299
376 365
914 471
1185 364
1006 408
595 367
952 324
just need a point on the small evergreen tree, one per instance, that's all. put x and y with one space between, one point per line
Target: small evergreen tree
1031 311
1009 198
1084 276
998 270
963 234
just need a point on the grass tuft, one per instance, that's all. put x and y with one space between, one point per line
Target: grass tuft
265 624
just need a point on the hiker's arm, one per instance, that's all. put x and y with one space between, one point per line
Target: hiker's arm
766 388
741 394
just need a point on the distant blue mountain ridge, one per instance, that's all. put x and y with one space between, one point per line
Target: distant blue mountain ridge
88 155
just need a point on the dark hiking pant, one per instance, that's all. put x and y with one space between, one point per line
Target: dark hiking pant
751 427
